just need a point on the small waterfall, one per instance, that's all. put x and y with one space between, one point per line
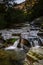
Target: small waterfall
14 46
31 44
16 43
35 43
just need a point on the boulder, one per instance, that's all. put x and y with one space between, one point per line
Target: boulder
11 57
34 56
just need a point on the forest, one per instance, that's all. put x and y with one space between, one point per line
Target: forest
9 14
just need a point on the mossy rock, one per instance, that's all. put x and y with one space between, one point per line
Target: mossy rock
10 57
7 43
4 58
11 41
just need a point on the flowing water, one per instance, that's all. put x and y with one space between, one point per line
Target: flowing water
26 32
36 44
14 46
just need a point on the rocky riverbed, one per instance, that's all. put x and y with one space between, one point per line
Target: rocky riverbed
14 52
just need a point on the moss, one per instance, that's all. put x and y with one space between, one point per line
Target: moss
10 57
7 43
11 41
6 58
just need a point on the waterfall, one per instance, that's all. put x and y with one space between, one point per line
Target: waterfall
35 43
16 43
31 44
14 46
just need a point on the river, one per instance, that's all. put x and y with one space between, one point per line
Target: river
25 31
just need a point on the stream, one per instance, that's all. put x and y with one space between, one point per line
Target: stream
18 54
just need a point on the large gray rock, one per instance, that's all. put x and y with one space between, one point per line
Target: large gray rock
34 56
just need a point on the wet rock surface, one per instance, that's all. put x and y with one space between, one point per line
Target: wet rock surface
11 57
34 56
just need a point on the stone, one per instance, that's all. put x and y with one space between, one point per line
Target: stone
34 56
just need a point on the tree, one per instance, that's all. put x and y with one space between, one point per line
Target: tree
14 16
35 11
38 8
3 23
